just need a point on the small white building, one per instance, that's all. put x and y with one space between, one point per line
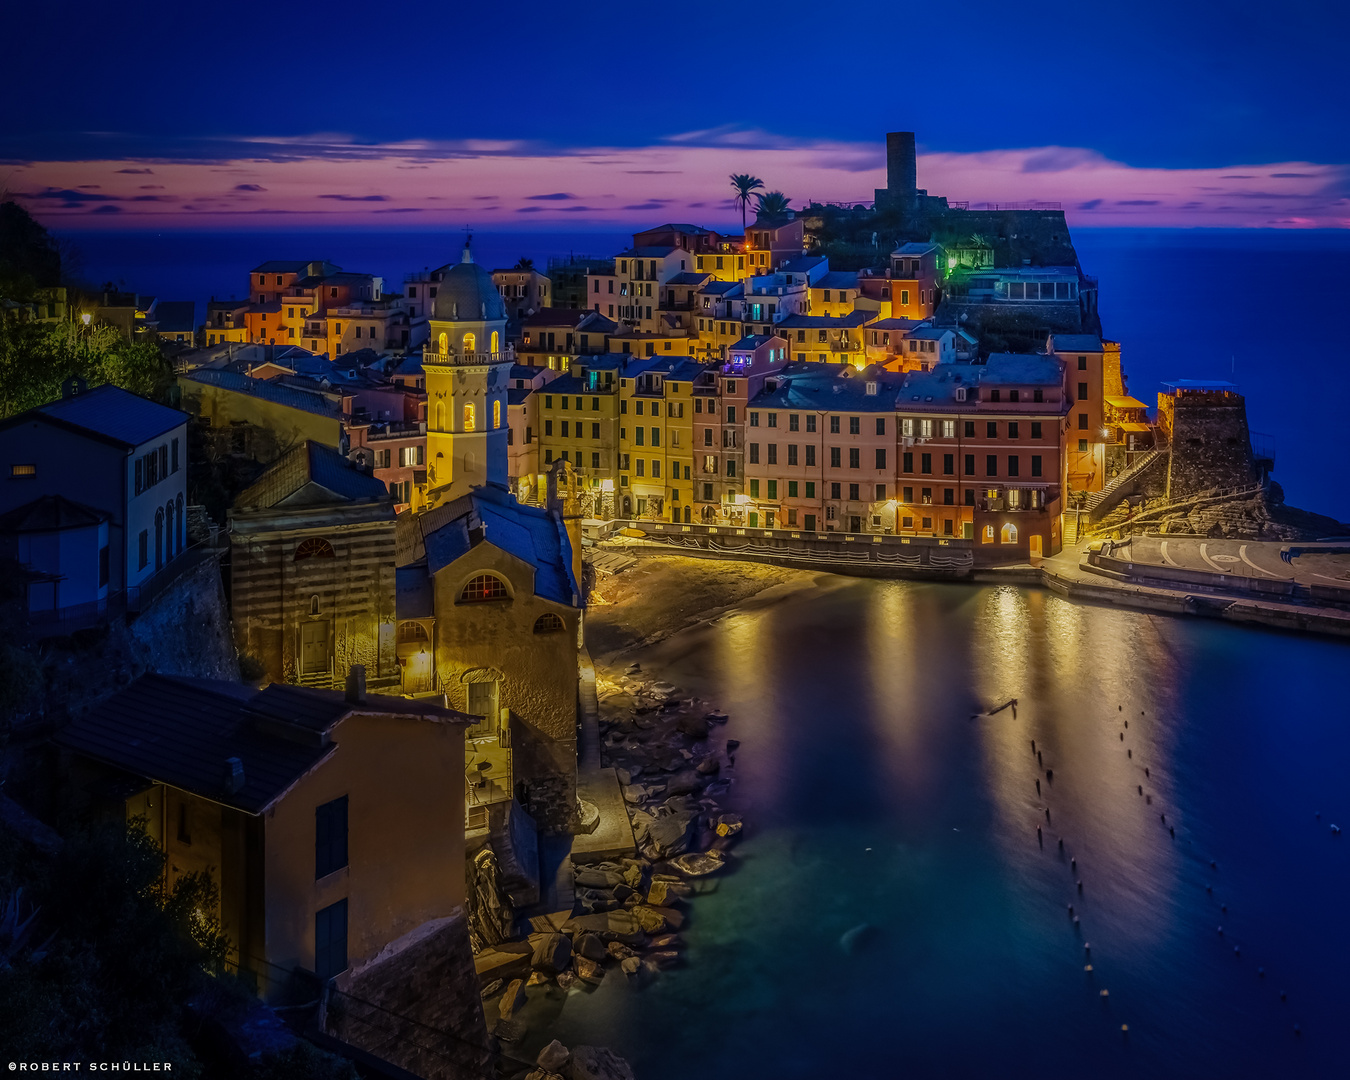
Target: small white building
111 452
63 549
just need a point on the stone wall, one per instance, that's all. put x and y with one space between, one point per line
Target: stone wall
417 1004
1211 445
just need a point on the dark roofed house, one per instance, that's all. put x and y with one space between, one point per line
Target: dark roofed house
329 820
312 587
503 641
177 321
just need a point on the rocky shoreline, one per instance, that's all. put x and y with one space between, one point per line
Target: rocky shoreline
677 769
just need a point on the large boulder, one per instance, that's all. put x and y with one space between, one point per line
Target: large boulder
597 878
684 782
589 946
553 1057
699 863
696 727
589 970
669 834
552 952
512 1000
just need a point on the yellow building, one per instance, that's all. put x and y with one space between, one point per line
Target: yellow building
331 822
578 423
467 369
835 293
223 401
656 419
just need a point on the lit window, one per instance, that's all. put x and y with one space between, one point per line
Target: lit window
484 587
547 623
23 470
469 417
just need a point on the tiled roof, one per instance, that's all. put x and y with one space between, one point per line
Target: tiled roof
181 732
262 388
1022 369
112 413
530 534
308 463
1074 343
836 279
689 277
829 387
50 513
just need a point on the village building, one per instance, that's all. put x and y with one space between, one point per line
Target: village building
330 821
490 615
312 570
118 458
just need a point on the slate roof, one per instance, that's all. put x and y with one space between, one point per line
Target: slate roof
824 322
914 247
718 288
753 341
803 264
265 389
1076 343
517 395
895 324
689 277
311 462
109 413
931 333
176 316
648 252
50 513
528 533
1021 369
836 279
830 389
181 732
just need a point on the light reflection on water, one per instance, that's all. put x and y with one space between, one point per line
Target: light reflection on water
853 705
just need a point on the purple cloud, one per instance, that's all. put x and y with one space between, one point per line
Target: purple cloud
1138 202
357 198
138 172
249 187
1091 204
555 195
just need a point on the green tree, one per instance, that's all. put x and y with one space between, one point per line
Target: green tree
770 205
744 185
36 358
29 257
523 264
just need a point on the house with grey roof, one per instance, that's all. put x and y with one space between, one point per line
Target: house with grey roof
119 456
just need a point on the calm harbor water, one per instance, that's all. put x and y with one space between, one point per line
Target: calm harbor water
872 797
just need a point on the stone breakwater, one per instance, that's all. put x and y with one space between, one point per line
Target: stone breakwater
677 768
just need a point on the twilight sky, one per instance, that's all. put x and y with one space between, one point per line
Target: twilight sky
1142 113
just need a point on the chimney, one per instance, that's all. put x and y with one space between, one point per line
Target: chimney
356 684
234 775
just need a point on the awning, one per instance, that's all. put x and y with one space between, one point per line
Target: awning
1134 427
1124 402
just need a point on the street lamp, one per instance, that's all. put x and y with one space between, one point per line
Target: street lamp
86 318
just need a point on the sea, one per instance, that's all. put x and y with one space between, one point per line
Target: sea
1261 308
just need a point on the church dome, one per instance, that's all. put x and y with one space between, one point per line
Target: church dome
466 293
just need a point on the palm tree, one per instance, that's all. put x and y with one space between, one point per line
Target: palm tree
744 184
523 264
771 204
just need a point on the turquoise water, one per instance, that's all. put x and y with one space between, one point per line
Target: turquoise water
853 706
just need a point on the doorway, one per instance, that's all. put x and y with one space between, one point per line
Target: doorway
314 657
1035 546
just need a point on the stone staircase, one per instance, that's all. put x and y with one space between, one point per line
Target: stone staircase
1100 503
1071 528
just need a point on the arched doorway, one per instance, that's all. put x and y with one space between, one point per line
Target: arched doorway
443 343
470 344
627 506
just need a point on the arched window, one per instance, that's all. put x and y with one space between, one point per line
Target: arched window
547 623
484 587
496 414
440 416
469 342
987 536
444 343
181 528
168 530
314 604
496 342
412 633
314 547
469 417
1009 534
159 538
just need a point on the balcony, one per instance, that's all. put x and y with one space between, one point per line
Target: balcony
433 358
